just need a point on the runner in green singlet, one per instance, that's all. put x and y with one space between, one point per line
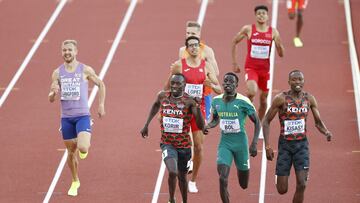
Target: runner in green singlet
230 110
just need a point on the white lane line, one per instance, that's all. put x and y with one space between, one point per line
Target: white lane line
105 67
32 51
354 61
160 177
275 8
202 12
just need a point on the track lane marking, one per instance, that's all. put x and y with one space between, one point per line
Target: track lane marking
32 51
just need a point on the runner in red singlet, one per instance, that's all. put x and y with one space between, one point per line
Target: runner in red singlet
198 74
293 107
257 65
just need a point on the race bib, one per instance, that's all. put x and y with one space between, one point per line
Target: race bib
70 88
230 125
194 90
294 126
173 125
259 52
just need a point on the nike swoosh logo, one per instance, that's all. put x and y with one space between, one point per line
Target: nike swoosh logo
186 70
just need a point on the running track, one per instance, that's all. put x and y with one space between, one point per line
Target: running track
122 167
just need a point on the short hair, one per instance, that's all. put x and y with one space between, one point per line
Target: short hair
261 7
70 41
295 71
179 74
232 74
191 38
193 24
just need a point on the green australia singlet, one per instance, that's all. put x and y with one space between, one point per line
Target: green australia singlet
234 141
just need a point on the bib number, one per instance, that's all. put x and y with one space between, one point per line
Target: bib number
230 125
294 126
194 90
260 52
173 125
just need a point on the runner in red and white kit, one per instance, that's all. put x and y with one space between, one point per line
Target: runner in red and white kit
260 36
198 74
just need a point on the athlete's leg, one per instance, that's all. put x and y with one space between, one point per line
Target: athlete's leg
243 177
251 89
223 171
171 165
183 185
301 180
282 184
83 129
263 104
72 160
184 156
170 157
198 137
299 22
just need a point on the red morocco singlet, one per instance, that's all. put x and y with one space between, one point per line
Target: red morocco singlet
259 48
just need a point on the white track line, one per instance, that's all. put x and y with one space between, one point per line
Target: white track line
32 51
160 177
354 61
275 6
105 67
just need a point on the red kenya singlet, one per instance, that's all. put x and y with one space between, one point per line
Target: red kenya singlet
175 122
259 48
293 117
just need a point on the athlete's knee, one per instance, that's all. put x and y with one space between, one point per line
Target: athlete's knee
198 148
83 147
243 184
291 16
223 180
301 185
173 173
281 189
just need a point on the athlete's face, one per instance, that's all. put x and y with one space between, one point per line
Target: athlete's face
177 85
261 16
69 52
230 84
296 81
192 31
193 47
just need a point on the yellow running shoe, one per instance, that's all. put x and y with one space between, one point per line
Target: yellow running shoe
73 191
83 155
298 42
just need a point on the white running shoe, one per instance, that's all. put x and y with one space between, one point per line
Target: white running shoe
190 166
192 187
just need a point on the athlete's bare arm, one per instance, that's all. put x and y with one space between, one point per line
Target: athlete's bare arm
278 44
211 79
154 110
255 119
318 122
277 103
91 76
54 87
244 33
210 58
174 69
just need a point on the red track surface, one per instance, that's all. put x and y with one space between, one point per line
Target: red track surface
122 167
